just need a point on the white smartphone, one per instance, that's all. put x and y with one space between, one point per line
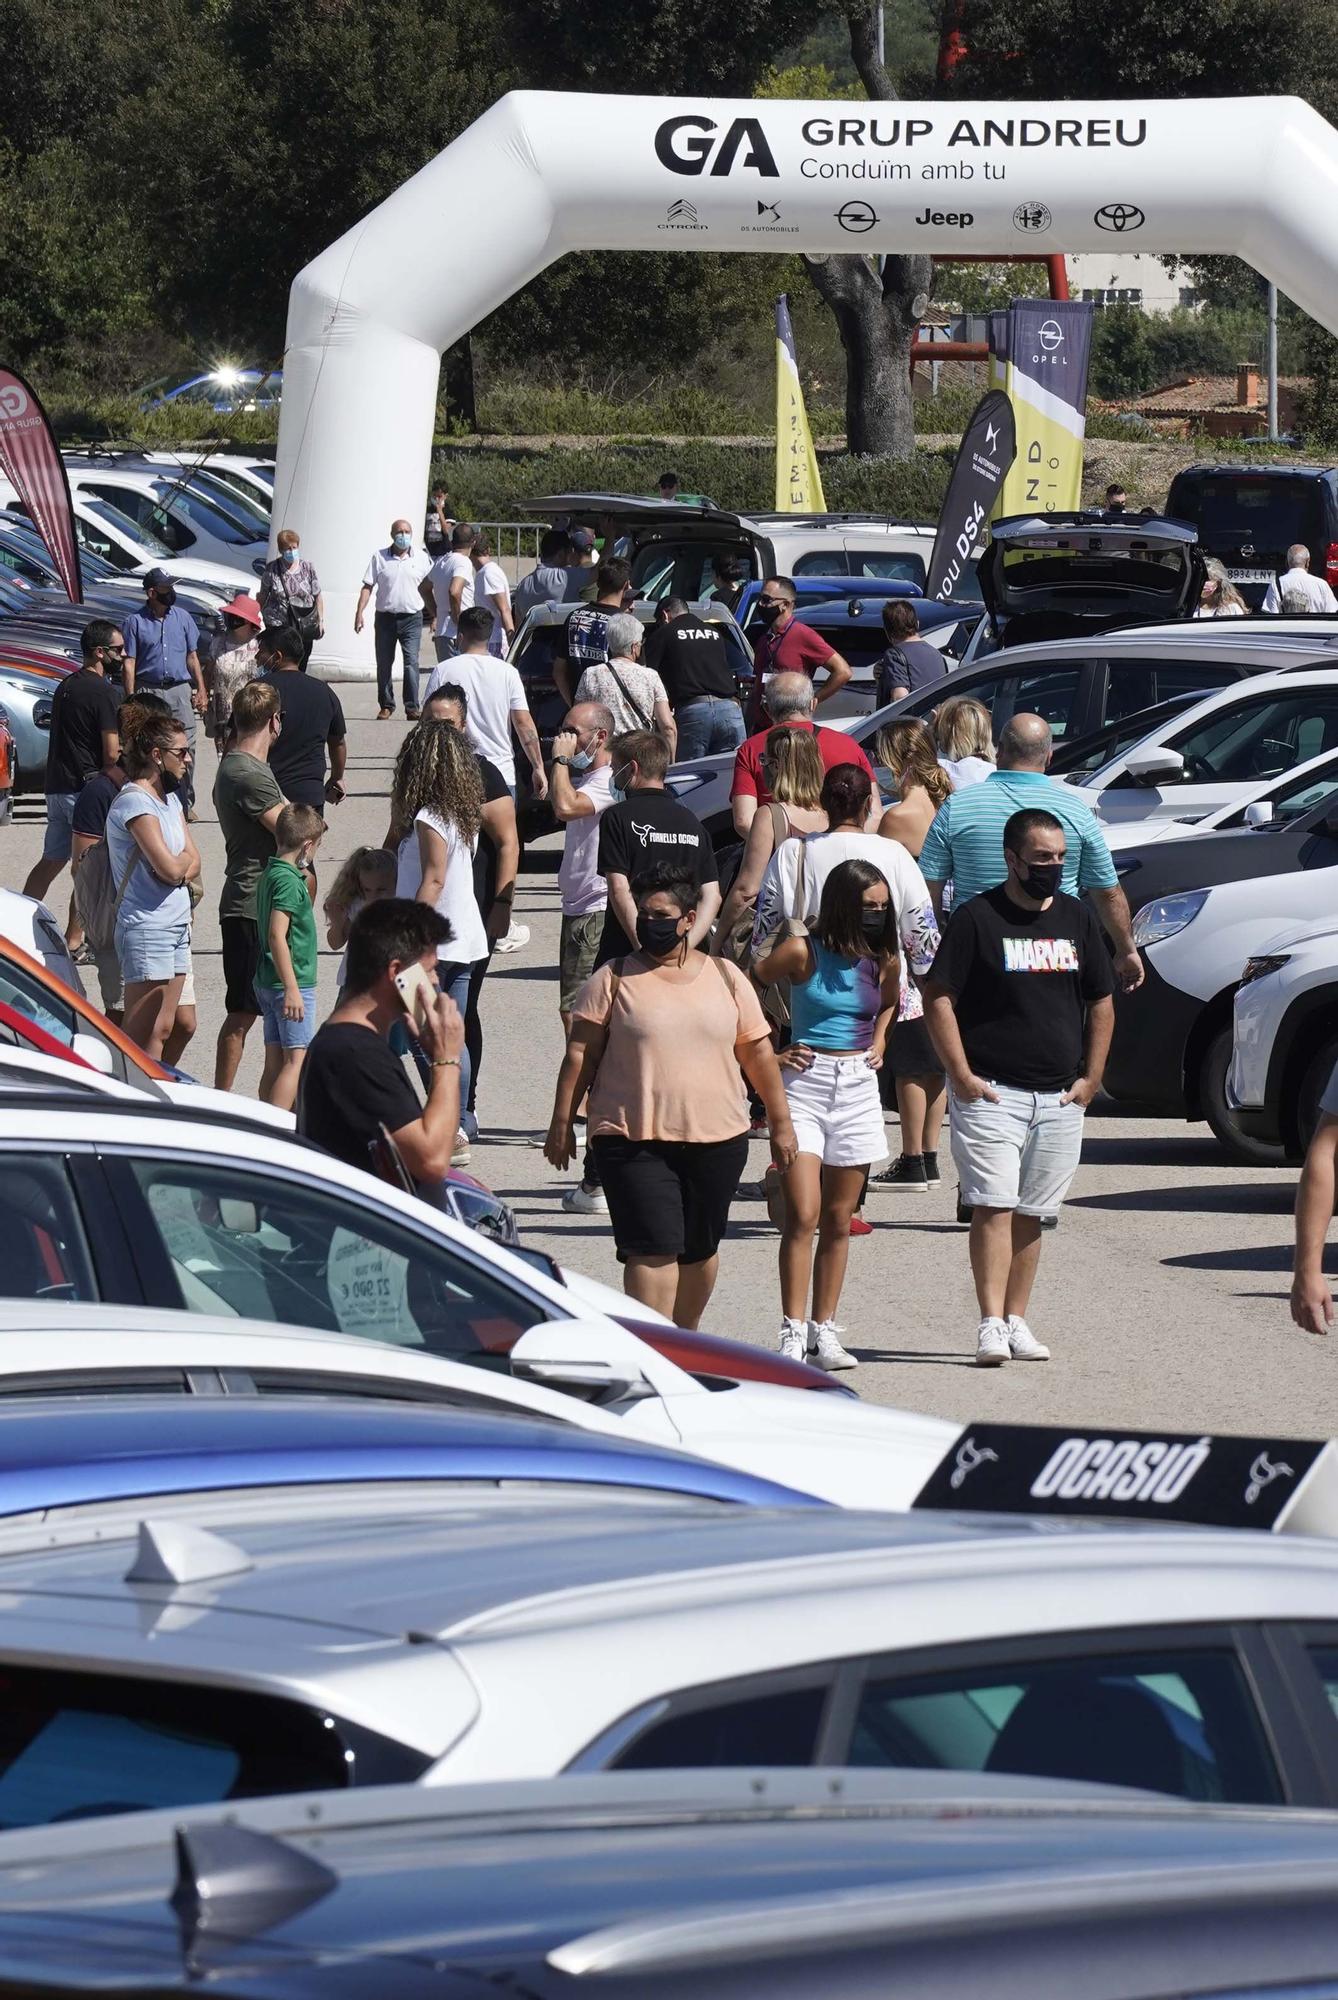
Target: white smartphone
418 993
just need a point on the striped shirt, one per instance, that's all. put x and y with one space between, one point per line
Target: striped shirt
965 843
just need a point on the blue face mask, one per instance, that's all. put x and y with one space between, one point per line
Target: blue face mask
618 792
401 541
290 555
581 760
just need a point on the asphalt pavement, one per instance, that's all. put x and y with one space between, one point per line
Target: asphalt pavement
1163 1293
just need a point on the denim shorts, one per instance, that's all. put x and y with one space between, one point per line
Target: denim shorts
58 840
279 1031
1020 1153
149 953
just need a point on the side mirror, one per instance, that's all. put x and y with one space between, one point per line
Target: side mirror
1259 813
1156 766
94 1051
584 1356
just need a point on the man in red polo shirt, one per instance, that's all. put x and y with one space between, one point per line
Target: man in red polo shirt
789 705
784 646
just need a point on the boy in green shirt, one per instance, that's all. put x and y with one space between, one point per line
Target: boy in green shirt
286 980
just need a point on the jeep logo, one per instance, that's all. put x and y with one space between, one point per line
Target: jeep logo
684 145
944 221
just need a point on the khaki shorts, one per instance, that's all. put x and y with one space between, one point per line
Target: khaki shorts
577 953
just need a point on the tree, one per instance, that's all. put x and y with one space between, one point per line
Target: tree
877 312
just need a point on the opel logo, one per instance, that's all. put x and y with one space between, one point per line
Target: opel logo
1051 335
1119 216
856 216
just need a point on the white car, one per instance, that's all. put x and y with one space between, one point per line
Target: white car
459 1637
1220 751
231 1219
133 548
174 512
35 929
250 481
1285 1034
1271 803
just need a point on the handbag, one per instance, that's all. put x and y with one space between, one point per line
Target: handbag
737 947
644 721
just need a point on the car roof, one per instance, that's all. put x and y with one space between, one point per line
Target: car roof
655 1881
645 507
1251 471
57 1453
1057 530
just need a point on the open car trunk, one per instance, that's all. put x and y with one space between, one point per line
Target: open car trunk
672 545
1064 575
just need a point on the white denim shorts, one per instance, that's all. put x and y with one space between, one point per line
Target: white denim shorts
836 1111
1020 1153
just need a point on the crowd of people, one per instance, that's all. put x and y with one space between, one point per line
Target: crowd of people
863 952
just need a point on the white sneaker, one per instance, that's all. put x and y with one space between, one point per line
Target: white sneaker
793 1339
826 1349
992 1346
582 1200
1022 1342
461 1156
517 937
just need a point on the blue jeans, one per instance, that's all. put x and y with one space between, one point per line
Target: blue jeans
709 727
405 630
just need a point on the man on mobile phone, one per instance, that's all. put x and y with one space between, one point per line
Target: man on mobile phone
353 1085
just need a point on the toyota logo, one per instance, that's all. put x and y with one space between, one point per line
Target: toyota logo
1120 217
856 216
1051 335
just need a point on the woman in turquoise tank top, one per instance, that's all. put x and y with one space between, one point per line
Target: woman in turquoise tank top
845 987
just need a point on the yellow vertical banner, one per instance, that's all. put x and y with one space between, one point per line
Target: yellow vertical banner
1039 355
798 481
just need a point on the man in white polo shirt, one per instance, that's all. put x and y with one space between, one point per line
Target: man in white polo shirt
449 590
394 574
496 701
1297 583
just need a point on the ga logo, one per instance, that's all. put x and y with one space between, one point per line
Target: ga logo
13 402
685 144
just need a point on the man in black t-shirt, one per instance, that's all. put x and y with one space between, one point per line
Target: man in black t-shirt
1019 1007
352 1083
692 660
313 723
649 824
584 642
83 740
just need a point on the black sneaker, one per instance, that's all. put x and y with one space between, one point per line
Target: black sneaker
932 1177
906 1173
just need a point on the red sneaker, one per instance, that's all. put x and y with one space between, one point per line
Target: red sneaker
859 1227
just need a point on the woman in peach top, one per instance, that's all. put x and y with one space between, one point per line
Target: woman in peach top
663 1039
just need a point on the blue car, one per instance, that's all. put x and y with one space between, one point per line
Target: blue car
62 1454
827 590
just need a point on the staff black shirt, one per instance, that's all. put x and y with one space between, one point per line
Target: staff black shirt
312 717
352 1084
691 659
642 828
82 707
1021 981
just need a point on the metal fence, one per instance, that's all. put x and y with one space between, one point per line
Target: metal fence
516 544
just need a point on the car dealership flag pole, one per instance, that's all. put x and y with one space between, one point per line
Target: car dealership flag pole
1039 354
31 461
798 481
984 456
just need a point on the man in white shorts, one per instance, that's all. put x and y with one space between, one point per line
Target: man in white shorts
1020 1011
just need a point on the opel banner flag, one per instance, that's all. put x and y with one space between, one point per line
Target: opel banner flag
35 469
1039 352
798 481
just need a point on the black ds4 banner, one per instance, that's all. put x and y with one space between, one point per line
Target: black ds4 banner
988 448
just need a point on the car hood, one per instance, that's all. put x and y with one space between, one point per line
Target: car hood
1310 932
1059 576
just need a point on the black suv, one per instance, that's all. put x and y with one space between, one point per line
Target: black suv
1248 516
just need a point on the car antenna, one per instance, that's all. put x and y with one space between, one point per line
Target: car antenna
176 1552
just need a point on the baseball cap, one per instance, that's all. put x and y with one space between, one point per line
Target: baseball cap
155 579
582 538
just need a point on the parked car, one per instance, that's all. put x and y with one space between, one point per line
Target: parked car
1078 685
1060 576
758 1885
132 547
1286 798
29 923
672 545
828 590
62 1011
1248 516
246 473
474 1636
191 524
1201 908
26 691
224 388
1285 1035
1221 751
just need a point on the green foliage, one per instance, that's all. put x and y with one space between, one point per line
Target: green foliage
801 80
1133 352
488 485
1318 409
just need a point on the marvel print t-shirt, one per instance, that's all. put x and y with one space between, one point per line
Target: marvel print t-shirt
644 828
1022 981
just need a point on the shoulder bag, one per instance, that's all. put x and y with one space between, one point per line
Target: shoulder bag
644 721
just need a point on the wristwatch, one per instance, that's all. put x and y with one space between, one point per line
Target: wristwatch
563 760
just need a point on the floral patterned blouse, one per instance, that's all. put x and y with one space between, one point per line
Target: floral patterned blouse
286 588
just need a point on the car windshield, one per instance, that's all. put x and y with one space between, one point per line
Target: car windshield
1270 513
1296 798
143 538
233 501
204 514
1084 754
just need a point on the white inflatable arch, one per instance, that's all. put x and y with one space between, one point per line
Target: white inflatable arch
542 173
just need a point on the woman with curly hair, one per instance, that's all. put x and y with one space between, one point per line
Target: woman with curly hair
921 784
436 802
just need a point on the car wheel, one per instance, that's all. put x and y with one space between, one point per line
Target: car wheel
1213 1098
1313 1085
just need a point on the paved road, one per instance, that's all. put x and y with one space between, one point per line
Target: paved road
1163 1293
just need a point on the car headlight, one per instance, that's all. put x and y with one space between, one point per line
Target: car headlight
1267 961
1166 915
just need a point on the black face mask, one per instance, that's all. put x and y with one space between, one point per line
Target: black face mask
873 923
1041 879
167 598
658 935
171 781
769 613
